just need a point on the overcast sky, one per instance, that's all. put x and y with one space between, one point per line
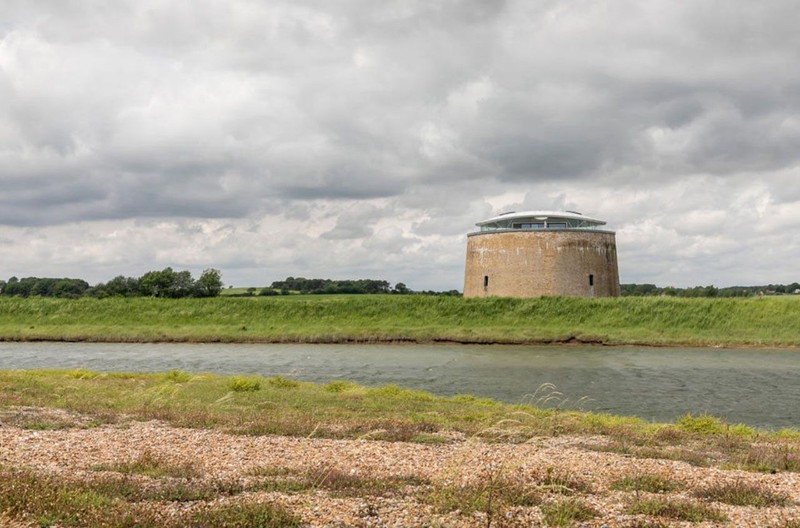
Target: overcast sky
363 139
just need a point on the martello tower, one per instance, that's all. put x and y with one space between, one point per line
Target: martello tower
536 253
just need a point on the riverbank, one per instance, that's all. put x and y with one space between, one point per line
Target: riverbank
79 448
662 321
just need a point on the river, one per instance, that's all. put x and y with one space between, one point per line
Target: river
754 386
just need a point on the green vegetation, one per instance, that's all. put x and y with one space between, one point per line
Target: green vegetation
566 512
710 291
165 283
153 465
133 490
346 410
679 510
769 321
743 494
119 501
648 483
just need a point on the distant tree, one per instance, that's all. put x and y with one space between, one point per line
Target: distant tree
401 288
157 283
209 284
182 285
119 286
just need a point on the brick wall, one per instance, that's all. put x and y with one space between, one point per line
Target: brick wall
537 263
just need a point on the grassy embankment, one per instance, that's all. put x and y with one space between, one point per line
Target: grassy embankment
255 405
124 494
374 318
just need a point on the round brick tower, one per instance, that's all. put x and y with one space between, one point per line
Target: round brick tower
536 253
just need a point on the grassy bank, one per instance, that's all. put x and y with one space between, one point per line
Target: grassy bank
371 318
253 405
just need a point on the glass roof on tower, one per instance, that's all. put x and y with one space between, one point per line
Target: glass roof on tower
545 220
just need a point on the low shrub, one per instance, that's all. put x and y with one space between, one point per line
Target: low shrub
648 483
244 384
680 510
742 494
568 511
282 383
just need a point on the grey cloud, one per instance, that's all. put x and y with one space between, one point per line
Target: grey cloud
353 223
433 113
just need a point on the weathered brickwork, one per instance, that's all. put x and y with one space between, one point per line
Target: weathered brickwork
575 263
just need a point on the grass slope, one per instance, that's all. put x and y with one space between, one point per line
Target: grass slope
255 405
370 318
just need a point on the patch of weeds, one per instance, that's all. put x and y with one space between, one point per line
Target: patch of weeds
46 425
777 457
339 386
648 483
82 374
566 512
646 523
610 447
742 494
391 430
332 480
344 483
177 376
669 434
690 456
278 478
680 510
468 398
704 424
152 465
49 500
563 483
492 495
244 384
427 438
248 514
280 382
286 425
269 471
396 393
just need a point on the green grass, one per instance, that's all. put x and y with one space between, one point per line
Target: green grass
648 483
566 512
346 410
151 464
743 494
680 510
49 500
415 318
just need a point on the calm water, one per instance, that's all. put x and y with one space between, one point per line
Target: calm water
757 387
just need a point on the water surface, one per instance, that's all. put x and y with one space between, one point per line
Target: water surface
754 386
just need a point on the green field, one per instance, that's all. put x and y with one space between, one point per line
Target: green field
770 321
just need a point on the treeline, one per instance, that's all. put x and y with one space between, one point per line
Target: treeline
646 290
328 286
44 287
165 283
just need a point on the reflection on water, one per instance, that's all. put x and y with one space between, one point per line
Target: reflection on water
757 387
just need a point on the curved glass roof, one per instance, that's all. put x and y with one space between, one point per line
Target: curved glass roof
540 220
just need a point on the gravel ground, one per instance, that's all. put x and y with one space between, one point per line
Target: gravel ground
77 453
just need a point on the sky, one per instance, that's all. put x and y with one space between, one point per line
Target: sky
361 139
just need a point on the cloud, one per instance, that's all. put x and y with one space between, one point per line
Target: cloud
266 138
